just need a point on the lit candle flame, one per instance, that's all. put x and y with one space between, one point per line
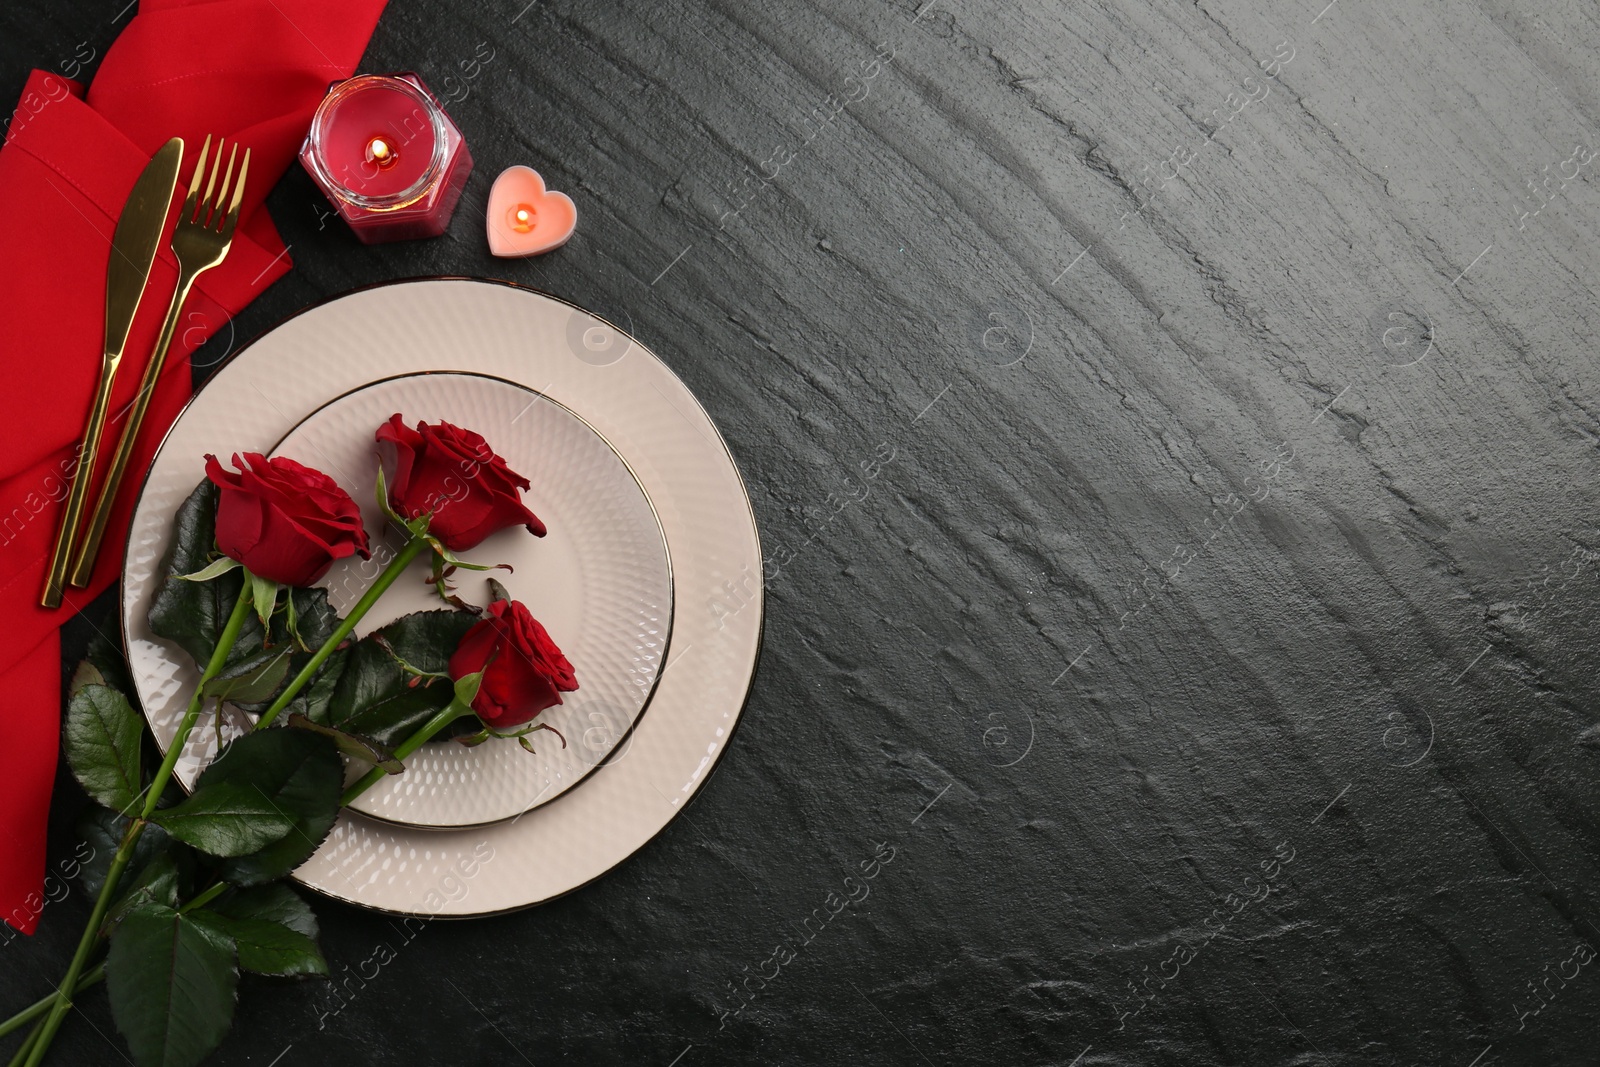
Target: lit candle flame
522 218
381 152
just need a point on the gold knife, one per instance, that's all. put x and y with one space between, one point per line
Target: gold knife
133 250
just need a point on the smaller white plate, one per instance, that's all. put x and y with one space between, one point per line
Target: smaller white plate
599 580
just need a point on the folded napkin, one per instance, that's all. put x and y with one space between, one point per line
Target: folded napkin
251 71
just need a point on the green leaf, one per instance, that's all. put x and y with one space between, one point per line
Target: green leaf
275 903
387 709
85 673
249 683
383 497
316 620
274 929
300 773
416 527
106 655
103 735
102 830
292 624
466 688
226 819
497 591
471 740
195 530
172 983
313 700
274 793
264 594
215 569
351 745
252 647
157 883
192 614
267 948
377 697
427 639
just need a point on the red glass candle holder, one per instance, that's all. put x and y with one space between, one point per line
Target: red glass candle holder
387 156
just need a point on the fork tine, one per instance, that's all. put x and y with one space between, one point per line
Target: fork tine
238 195
194 182
222 194
211 183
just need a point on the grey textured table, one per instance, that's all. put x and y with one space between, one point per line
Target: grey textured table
1213 654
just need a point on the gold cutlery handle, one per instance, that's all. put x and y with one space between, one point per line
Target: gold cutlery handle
81 477
83 562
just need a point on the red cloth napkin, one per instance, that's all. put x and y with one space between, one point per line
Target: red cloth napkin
251 71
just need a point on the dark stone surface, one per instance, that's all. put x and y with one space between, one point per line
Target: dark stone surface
1382 666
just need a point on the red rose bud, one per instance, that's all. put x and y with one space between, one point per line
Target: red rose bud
523 671
454 474
285 522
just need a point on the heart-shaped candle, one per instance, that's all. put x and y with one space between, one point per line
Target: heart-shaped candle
525 218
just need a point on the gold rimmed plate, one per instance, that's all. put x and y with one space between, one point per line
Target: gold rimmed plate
649 419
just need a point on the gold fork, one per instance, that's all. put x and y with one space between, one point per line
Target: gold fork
200 241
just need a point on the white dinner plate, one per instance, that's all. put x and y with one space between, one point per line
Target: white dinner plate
646 414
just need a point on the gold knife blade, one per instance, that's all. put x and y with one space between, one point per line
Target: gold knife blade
133 250
138 235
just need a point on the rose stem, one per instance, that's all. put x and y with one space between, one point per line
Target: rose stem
119 863
369 598
28 1042
406 747
90 977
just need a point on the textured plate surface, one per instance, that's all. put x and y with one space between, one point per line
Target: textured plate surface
598 580
630 397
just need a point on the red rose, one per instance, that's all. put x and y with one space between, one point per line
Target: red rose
285 522
454 474
523 671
